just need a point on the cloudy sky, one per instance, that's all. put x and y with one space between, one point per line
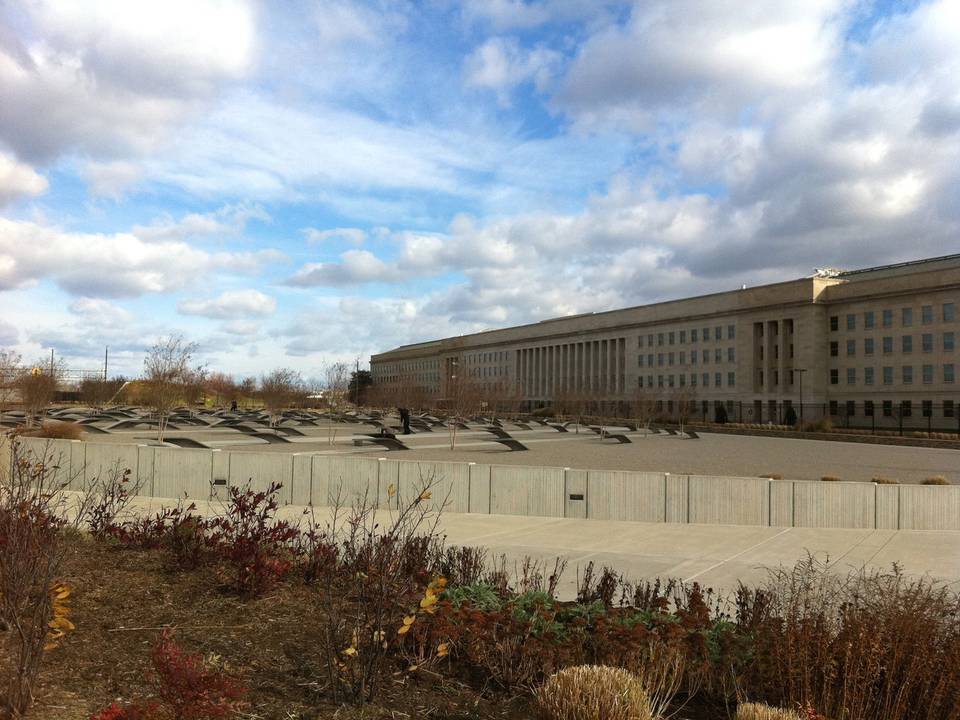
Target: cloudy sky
294 183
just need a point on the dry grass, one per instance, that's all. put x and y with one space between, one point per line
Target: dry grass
771 476
593 692
759 711
830 478
936 480
885 481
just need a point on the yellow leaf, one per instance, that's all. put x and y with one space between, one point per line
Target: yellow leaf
428 601
409 619
403 630
62 623
350 651
50 646
391 490
412 668
426 495
442 650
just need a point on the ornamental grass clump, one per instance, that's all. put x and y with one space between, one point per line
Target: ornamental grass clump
936 480
759 711
593 692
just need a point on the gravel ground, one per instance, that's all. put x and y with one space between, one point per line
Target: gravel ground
710 455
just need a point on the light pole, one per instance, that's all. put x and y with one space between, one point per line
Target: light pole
801 371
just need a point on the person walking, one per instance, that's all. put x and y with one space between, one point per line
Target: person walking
405 420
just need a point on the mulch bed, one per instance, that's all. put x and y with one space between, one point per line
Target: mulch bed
122 599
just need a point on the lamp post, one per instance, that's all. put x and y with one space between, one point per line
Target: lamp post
801 371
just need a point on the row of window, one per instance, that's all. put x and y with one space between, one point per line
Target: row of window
487 357
661 359
947 344
948 313
681 380
887 375
671 337
903 408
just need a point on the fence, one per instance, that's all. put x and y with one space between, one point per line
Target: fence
516 490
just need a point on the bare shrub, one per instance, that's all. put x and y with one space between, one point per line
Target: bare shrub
830 478
99 392
33 605
38 386
936 480
374 576
861 646
592 692
166 370
278 390
885 481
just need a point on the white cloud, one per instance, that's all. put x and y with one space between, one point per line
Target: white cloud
17 180
355 267
227 220
112 178
100 312
109 77
231 304
500 64
351 235
109 265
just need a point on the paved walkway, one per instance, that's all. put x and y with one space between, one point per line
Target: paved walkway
717 556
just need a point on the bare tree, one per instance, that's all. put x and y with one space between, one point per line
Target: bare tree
337 379
221 386
278 390
463 398
684 404
38 386
643 407
9 371
166 370
98 392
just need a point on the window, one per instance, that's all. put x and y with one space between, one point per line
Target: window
927 374
659 338
718 333
706 334
693 379
659 359
926 342
730 354
660 381
706 356
868 320
717 379
851 348
906 343
888 376
693 357
948 372
670 381
706 379
650 381
948 408
868 408
693 335
650 360
683 337
927 408
887 345
834 348
834 376
851 321
683 357
670 358
731 379
671 338
640 381
851 376
868 346
926 314
717 355
640 361
887 408
640 341
650 340
888 318
907 374
683 380
868 376
834 407
949 312
906 317
834 323
948 341
906 408
851 408
731 332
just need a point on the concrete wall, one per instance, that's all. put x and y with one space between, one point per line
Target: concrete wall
510 490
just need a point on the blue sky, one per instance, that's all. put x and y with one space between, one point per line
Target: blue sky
292 184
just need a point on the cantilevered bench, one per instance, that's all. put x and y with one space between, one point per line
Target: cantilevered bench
387 441
504 438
